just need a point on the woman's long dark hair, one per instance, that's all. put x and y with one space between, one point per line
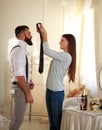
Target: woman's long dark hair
72 50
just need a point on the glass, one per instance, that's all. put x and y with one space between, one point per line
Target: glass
78 102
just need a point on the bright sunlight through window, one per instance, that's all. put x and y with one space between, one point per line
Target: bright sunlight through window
83 30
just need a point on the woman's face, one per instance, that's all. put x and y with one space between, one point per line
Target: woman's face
64 44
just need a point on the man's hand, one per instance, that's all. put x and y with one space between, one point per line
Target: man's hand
31 84
29 97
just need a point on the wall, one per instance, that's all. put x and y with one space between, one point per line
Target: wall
98 41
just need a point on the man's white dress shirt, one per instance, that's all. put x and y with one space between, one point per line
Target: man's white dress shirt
17 61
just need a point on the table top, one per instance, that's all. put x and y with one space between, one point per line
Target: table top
98 112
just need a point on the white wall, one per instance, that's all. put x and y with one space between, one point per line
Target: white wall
98 42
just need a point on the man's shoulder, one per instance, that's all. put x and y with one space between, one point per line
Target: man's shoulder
21 43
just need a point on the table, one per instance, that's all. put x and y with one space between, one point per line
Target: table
74 119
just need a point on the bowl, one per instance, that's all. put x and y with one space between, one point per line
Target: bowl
94 107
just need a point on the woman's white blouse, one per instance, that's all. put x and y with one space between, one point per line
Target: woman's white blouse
58 68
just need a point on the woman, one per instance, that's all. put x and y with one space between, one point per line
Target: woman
61 63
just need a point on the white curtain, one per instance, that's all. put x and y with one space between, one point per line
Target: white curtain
79 20
88 66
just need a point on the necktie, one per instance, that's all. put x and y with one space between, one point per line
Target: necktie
41 62
26 69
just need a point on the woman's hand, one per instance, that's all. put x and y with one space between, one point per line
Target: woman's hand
43 32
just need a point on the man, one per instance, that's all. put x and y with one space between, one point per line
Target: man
20 76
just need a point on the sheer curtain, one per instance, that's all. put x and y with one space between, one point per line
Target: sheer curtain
78 20
88 66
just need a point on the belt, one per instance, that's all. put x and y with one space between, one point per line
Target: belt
14 83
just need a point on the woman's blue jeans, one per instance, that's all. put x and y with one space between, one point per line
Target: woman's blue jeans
54 102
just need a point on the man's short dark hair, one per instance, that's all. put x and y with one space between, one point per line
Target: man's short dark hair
20 29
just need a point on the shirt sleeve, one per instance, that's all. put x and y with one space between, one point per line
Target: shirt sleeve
61 56
19 59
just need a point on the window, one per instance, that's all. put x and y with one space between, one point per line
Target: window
82 28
